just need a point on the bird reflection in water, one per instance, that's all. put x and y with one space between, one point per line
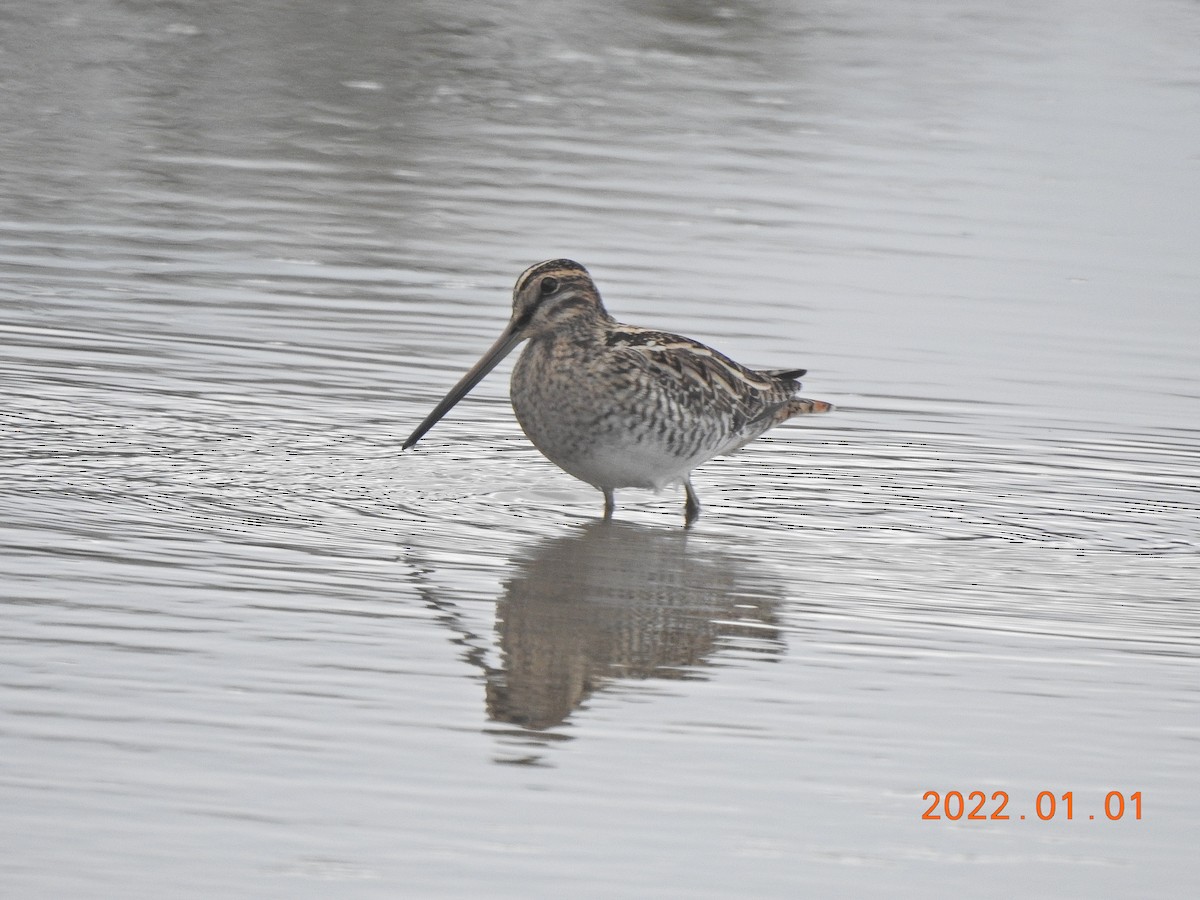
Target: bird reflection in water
615 601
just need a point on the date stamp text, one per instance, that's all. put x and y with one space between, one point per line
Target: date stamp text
977 806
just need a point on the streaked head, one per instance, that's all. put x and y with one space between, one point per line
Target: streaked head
553 293
548 297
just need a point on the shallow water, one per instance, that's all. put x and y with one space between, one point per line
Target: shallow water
250 648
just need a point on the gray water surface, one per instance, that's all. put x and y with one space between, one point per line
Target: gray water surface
249 648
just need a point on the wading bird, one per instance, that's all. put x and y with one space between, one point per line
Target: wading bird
620 406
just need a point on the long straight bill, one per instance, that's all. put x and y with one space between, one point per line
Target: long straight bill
509 338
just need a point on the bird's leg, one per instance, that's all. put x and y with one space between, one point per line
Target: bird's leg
608 504
691 506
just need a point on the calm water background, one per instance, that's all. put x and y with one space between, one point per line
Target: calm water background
248 648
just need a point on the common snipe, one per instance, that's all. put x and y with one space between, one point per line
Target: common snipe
620 406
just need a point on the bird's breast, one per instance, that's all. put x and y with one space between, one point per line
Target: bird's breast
606 421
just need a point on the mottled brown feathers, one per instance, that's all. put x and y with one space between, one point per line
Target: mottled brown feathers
620 406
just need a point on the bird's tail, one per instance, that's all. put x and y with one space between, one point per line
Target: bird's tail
799 406
785 374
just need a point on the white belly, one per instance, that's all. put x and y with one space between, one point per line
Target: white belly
640 466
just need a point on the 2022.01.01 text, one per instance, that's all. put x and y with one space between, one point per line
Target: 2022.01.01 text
974 807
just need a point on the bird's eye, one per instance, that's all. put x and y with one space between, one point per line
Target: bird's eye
549 286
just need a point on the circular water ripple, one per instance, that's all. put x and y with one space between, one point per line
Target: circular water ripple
1137 496
224 467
